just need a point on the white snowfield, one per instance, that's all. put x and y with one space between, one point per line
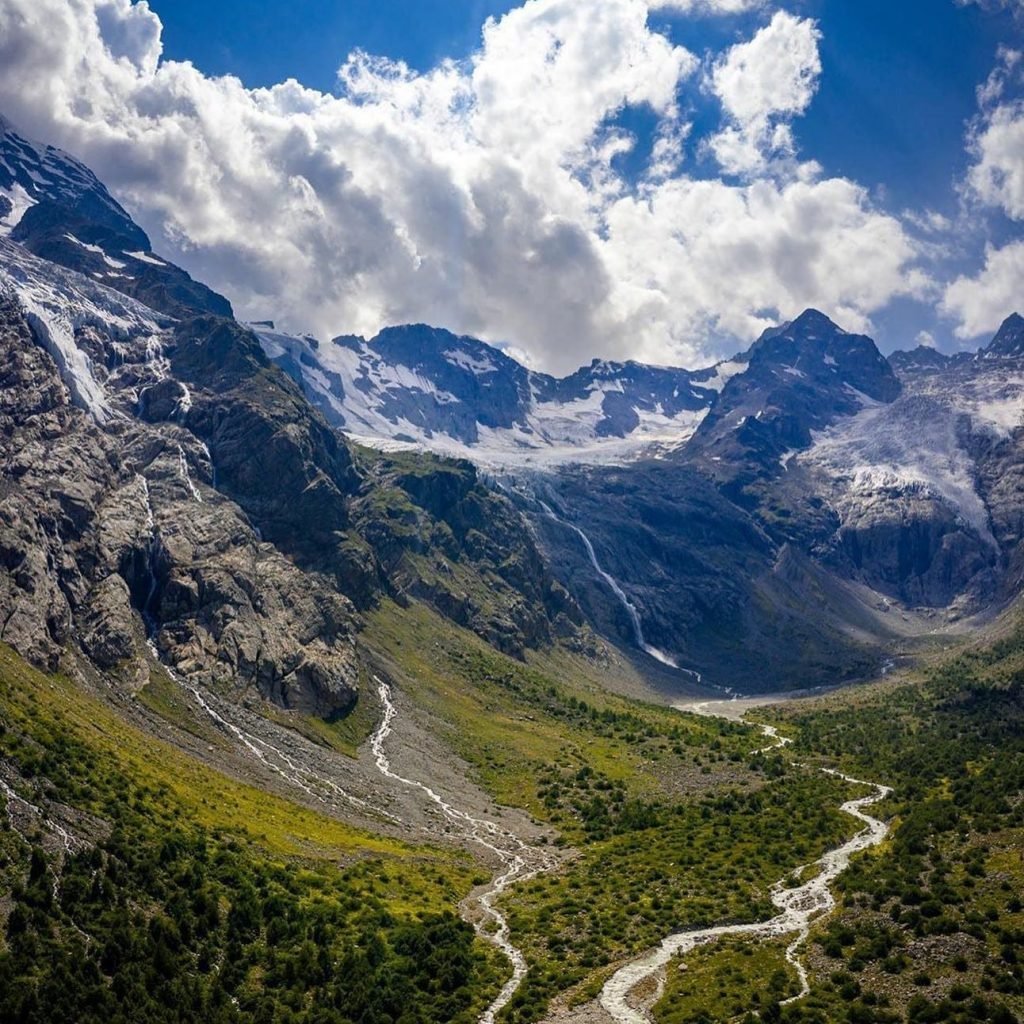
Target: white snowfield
917 444
798 909
553 433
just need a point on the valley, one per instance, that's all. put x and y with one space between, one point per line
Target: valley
387 681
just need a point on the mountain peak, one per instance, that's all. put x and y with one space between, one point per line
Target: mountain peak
814 320
1009 339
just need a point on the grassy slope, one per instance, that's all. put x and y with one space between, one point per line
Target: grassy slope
203 898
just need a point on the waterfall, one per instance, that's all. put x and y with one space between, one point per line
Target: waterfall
152 546
615 587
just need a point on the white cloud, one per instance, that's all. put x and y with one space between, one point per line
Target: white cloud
995 140
981 303
706 257
762 84
997 177
1014 6
481 196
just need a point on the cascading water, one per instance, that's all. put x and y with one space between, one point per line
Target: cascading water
151 550
616 589
184 473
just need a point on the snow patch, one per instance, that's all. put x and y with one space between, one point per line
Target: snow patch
468 362
20 202
145 258
116 264
724 372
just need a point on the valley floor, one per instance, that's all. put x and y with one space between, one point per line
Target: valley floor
252 865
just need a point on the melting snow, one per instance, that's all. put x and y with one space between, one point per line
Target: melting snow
724 372
553 434
879 450
57 302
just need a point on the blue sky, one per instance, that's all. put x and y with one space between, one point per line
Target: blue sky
658 179
897 90
896 94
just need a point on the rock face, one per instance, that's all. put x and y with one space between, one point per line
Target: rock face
166 487
1008 342
107 534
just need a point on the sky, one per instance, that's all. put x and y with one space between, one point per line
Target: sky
650 179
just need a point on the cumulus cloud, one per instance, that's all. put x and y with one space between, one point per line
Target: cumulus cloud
482 196
762 84
706 6
980 303
996 139
707 257
995 179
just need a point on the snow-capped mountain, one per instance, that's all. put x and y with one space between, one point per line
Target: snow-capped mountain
55 207
423 387
801 491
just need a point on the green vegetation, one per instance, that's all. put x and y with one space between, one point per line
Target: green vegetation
676 820
200 899
727 980
691 864
932 926
562 749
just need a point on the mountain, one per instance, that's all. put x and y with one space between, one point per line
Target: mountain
297 728
423 387
167 489
799 379
55 207
798 512
1008 342
825 514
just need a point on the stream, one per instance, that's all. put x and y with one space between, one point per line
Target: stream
519 860
798 908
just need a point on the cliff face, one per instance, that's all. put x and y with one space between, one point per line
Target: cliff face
167 489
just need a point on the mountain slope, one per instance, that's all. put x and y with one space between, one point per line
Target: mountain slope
166 485
56 208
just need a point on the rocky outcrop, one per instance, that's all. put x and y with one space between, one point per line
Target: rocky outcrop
109 534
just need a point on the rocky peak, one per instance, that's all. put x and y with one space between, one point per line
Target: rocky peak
813 347
800 378
1009 340
55 207
32 173
922 359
